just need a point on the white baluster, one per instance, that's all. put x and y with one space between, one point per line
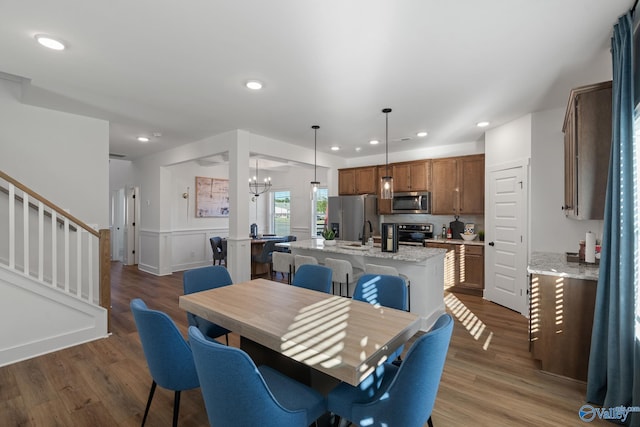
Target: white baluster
66 254
79 261
40 241
12 226
25 231
54 249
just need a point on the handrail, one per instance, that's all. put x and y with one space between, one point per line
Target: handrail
103 236
49 204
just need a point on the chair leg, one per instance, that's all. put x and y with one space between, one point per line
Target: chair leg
226 336
430 422
176 408
146 411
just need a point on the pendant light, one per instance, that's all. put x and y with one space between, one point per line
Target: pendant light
386 182
257 188
315 184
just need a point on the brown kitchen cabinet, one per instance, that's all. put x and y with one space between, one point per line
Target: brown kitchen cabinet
357 181
411 176
463 267
561 319
587 144
458 185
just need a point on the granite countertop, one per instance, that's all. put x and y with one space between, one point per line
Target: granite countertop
405 253
475 242
555 264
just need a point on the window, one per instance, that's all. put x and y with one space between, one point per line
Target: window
319 209
281 208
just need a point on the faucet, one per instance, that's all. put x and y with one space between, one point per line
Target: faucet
364 231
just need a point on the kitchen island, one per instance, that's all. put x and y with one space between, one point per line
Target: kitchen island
423 266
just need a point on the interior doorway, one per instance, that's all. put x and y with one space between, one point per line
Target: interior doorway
506 237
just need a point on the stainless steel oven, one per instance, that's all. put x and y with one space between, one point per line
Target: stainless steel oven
414 234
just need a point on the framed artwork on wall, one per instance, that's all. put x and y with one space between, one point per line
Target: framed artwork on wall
212 197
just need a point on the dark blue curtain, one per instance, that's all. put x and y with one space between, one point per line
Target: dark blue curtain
613 370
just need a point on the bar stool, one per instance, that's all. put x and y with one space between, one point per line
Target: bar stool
283 262
389 271
343 272
299 260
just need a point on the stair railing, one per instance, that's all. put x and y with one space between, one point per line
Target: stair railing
61 250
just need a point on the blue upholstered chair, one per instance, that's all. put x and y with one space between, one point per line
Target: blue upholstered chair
315 277
398 396
265 256
384 290
236 393
203 279
168 354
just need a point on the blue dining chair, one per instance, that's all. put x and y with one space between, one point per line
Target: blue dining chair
237 393
384 290
203 279
314 277
398 396
168 355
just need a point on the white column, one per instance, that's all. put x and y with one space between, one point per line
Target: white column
239 243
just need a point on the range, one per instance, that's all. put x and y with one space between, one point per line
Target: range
414 234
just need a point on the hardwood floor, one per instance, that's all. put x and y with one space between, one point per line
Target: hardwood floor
489 377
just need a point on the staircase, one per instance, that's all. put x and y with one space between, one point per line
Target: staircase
54 276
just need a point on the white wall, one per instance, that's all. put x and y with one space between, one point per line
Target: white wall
63 157
551 231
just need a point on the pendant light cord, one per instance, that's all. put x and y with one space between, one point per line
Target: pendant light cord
386 112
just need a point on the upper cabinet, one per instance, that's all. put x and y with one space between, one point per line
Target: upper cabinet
412 176
587 144
357 181
458 185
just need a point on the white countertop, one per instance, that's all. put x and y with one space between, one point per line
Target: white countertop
555 264
405 253
475 242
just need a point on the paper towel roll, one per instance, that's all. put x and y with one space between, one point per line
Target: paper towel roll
590 248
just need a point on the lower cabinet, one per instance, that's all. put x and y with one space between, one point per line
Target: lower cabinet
463 267
561 319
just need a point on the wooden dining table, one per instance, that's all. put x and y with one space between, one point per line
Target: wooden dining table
319 334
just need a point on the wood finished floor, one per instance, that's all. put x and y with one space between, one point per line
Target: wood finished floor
489 377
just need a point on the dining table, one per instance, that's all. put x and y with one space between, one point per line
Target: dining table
317 338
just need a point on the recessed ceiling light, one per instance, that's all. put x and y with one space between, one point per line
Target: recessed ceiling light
358 148
50 42
143 139
421 134
335 148
254 85
482 124
374 142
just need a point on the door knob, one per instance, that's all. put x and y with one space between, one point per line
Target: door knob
492 244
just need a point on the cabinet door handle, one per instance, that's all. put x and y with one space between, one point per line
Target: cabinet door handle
492 244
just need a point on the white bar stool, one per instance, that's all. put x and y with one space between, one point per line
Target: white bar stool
284 263
343 272
389 271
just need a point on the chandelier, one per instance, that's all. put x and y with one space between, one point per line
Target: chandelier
257 188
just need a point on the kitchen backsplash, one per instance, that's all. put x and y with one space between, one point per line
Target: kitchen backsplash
436 220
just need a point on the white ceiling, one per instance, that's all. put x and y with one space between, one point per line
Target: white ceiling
178 68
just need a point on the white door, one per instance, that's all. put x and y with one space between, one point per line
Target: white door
505 234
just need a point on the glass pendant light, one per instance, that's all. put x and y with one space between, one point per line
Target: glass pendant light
315 184
386 182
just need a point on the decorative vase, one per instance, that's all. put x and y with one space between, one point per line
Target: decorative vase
329 242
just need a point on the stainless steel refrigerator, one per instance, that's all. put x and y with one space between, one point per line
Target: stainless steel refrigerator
354 218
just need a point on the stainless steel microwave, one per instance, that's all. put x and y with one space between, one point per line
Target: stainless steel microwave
411 203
